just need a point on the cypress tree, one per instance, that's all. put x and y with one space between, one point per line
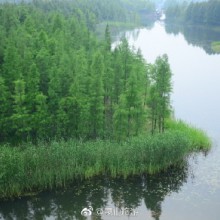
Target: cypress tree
4 95
20 116
96 96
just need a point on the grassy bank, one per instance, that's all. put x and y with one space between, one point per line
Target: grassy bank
216 46
46 166
198 139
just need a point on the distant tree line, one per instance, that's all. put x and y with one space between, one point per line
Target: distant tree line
207 12
57 80
97 10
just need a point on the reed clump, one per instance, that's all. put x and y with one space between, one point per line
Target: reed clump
45 166
198 139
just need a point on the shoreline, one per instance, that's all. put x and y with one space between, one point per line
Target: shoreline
47 166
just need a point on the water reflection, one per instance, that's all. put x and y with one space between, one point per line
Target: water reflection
134 34
200 36
97 192
118 33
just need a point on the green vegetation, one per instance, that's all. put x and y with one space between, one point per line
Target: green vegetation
205 12
199 17
216 46
59 82
48 166
197 138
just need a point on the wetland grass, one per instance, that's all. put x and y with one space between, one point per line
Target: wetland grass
45 166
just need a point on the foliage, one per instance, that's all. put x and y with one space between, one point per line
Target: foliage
160 90
198 138
205 12
58 80
53 74
47 166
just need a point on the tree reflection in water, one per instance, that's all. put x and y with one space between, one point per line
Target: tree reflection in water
201 36
97 192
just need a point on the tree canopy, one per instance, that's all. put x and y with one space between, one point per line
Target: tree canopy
57 80
205 12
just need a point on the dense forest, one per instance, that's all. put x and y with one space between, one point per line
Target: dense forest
114 10
74 106
207 12
57 80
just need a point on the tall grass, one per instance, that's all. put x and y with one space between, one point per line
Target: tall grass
198 139
32 168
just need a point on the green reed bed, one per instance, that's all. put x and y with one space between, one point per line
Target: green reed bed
46 166
198 139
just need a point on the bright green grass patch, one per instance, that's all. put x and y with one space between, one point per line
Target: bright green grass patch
198 138
216 46
47 166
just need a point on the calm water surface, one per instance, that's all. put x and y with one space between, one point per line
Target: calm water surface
189 192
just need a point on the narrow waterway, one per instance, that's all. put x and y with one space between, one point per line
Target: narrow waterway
191 191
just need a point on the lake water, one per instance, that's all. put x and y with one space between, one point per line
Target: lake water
189 192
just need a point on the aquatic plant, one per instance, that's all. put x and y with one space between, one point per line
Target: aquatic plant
45 166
